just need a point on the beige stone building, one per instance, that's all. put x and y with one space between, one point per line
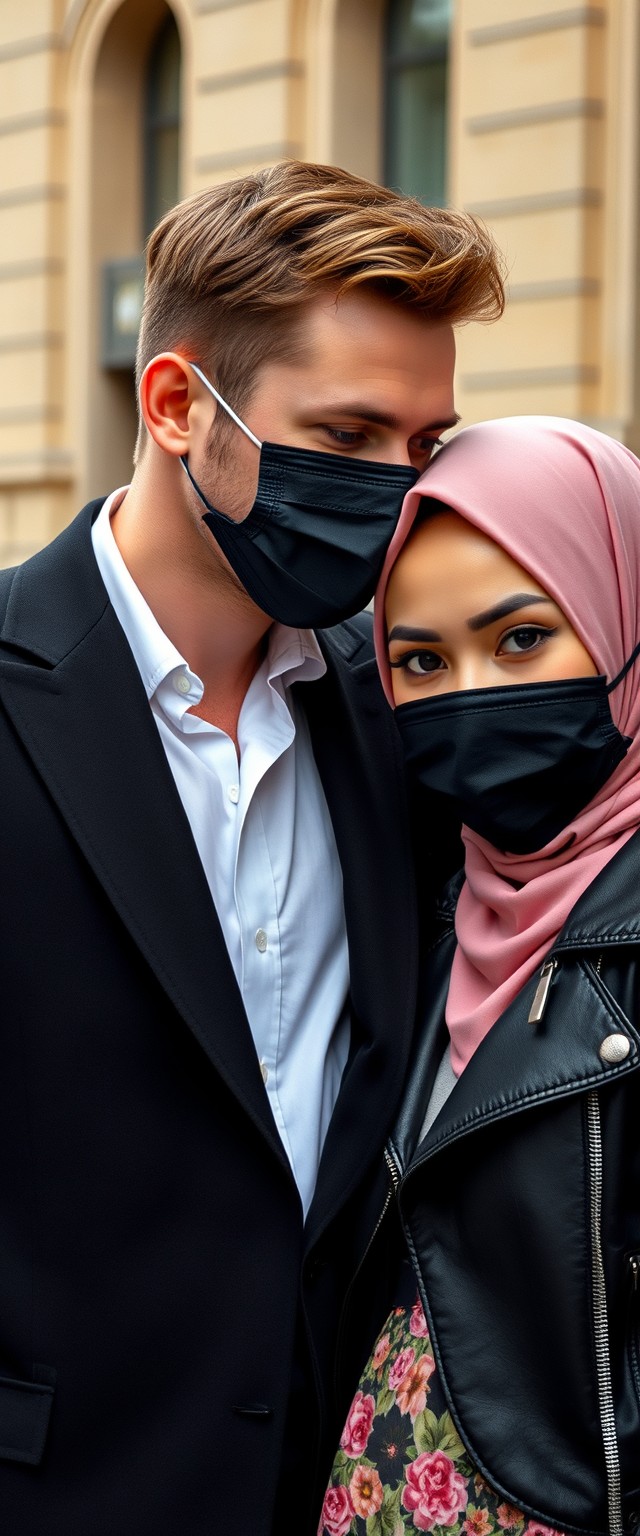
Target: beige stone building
525 111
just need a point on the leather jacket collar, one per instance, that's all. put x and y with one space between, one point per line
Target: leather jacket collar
519 1064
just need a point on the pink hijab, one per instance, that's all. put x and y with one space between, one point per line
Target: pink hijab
564 501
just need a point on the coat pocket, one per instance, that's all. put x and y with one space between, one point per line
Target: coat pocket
25 1408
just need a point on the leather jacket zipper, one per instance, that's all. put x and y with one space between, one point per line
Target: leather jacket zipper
599 1292
600 1321
395 1176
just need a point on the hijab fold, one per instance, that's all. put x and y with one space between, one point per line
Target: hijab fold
564 501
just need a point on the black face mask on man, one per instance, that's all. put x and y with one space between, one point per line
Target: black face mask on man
517 763
311 549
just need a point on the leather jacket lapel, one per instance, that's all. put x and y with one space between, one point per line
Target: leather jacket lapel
518 1064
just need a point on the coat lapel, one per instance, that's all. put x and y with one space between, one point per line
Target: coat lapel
74 695
357 751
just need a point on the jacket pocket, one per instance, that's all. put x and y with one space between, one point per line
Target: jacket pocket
25 1409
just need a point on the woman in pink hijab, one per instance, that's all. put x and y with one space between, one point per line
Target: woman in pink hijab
503 1390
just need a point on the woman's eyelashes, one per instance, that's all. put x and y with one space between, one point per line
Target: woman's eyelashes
418 663
525 638
519 642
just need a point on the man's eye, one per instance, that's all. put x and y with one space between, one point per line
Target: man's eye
344 437
418 663
527 637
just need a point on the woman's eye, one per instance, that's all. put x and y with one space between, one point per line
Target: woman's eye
527 637
418 662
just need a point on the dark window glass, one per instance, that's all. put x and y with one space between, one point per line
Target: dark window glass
416 97
162 125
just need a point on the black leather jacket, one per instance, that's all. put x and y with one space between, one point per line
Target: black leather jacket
521 1208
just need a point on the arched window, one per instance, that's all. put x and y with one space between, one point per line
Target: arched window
417 50
136 111
162 125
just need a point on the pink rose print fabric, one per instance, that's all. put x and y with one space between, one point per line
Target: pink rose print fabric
401 1466
435 1493
358 1426
337 1512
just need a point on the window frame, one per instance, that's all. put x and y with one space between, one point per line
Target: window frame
395 64
154 121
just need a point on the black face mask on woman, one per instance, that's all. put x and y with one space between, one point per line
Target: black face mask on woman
311 549
517 763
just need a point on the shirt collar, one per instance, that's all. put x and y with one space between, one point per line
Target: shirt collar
293 655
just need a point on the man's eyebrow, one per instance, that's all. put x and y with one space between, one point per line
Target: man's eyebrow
366 412
406 632
507 605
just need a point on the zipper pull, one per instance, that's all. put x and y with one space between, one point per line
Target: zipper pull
542 992
634 1270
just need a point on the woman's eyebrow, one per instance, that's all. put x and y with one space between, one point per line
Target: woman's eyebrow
501 609
406 632
479 621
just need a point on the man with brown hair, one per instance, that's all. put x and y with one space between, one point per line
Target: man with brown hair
209 917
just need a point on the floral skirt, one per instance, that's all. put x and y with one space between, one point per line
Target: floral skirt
401 1465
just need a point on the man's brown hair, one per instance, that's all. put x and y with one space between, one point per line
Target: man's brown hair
230 269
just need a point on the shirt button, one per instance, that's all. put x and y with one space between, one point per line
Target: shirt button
264 1072
234 793
261 940
181 683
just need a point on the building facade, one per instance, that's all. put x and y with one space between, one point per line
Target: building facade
523 111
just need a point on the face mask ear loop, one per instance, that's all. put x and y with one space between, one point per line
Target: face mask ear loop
625 669
212 390
183 461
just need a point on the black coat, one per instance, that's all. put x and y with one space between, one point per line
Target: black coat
521 1208
153 1257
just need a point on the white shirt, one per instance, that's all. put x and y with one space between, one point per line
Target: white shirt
266 842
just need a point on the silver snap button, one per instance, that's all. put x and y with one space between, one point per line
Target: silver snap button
615 1048
261 940
264 1072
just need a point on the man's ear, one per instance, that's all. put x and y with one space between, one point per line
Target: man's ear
175 408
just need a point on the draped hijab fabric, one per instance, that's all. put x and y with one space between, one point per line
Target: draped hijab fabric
564 501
